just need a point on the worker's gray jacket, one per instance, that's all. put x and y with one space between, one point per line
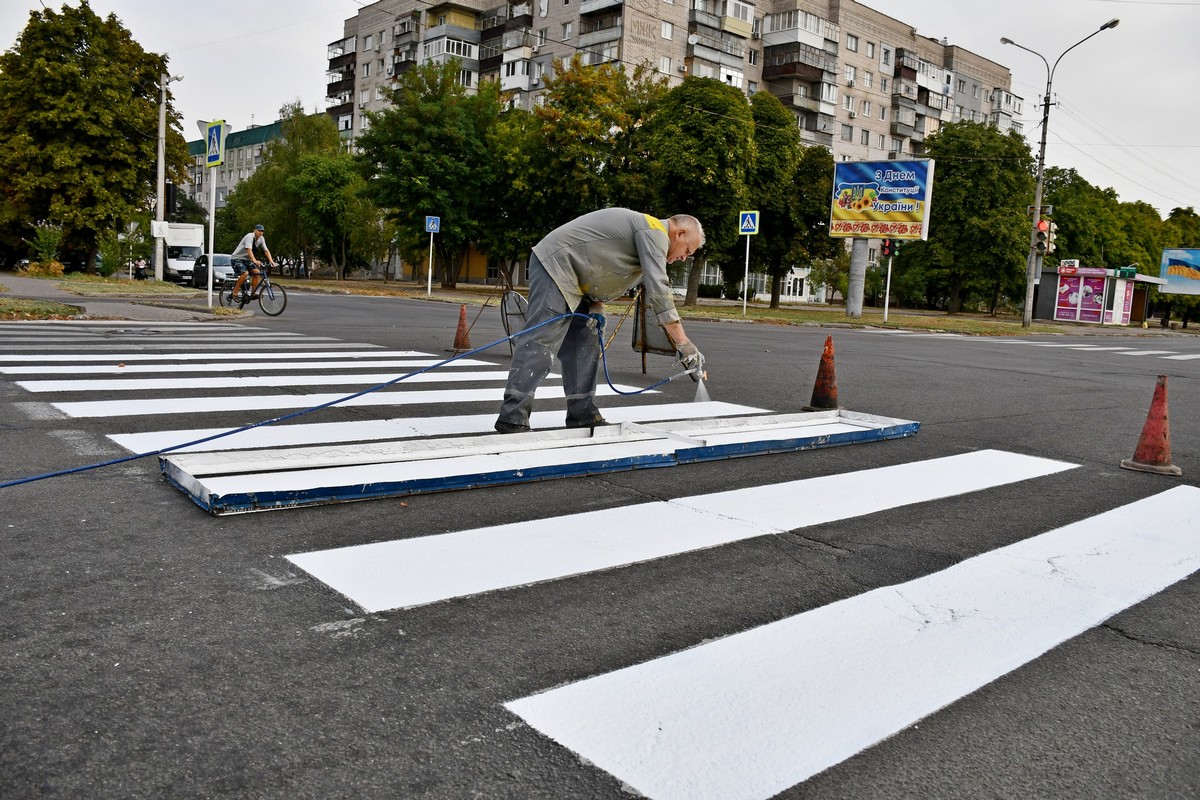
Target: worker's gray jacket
605 253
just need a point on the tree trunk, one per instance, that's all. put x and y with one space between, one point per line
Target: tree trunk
775 290
693 284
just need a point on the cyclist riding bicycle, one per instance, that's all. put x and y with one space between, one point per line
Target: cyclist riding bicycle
245 262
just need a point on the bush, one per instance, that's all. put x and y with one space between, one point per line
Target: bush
44 269
711 290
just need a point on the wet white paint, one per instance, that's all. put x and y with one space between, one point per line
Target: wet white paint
411 572
752 714
404 427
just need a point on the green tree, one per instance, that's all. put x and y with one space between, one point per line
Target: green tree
702 138
267 197
511 229
812 188
429 154
979 230
79 102
323 185
771 188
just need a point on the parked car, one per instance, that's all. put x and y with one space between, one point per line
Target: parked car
222 271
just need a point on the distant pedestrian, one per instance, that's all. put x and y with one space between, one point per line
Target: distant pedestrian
596 257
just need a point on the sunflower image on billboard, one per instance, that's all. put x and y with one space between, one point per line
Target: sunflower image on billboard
881 199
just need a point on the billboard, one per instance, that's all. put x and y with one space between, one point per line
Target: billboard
1181 270
881 199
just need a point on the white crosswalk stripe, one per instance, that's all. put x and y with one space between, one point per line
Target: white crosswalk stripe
747 716
1082 346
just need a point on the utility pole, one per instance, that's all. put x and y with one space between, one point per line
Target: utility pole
161 185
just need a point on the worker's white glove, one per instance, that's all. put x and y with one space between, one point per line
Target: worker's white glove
692 360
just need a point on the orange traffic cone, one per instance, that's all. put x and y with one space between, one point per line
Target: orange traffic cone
1153 453
825 396
462 341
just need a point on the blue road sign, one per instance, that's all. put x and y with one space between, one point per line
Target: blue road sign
215 138
748 222
433 224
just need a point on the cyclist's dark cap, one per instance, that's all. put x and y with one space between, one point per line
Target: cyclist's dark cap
259 228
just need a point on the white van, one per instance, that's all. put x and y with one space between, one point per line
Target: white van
185 243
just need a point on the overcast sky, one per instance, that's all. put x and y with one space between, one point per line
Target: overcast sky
1126 115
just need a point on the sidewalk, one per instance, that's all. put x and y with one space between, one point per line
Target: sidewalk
143 308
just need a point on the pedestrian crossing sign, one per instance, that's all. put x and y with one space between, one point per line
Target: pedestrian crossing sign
433 224
214 137
748 222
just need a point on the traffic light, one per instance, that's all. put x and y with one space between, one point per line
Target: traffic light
1042 237
1050 237
885 248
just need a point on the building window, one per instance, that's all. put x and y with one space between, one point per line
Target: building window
868 79
566 31
848 133
960 86
882 113
870 49
883 83
865 137
886 57
866 108
739 11
751 57
668 30
465 77
851 42
751 87
664 65
368 42
882 141
366 69
542 35
848 102
975 90
851 73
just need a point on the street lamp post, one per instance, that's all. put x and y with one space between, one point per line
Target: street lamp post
160 182
1035 257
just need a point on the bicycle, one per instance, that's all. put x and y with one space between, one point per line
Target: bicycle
272 298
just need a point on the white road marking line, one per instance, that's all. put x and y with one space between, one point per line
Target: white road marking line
403 428
1096 348
358 362
412 572
747 716
236 404
233 360
1147 352
244 350
1182 358
257 381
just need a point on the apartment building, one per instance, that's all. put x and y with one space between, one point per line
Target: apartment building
861 83
243 155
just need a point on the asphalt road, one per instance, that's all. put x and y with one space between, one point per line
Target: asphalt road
151 650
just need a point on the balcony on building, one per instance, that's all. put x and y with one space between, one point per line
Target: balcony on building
491 53
599 30
727 50
594 6
907 65
506 18
341 53
798 60
340 80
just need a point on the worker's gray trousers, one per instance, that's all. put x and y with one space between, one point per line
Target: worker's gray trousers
575 342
